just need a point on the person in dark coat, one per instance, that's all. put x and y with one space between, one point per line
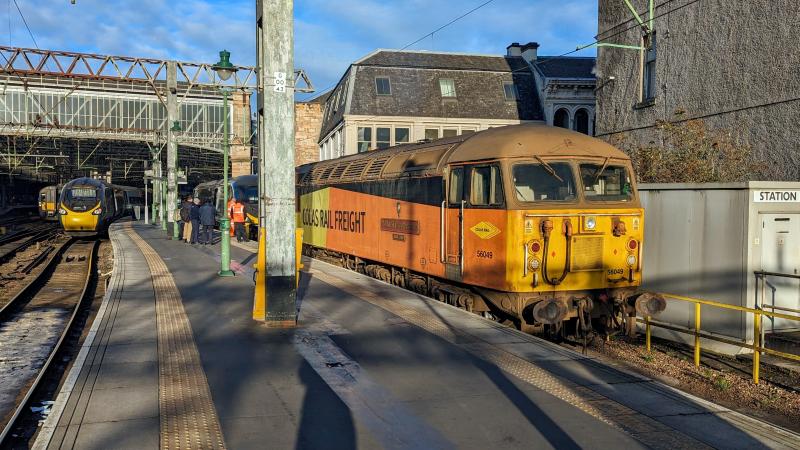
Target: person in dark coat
194 217
186 206
208 217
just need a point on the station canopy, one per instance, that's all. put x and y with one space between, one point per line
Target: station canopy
66 114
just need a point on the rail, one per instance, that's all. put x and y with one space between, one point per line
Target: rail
758 313
29 292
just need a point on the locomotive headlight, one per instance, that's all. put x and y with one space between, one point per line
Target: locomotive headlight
590 223
534 246
631 260
97 211
62 211
533 264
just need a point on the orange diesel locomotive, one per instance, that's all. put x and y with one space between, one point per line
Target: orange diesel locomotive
528 224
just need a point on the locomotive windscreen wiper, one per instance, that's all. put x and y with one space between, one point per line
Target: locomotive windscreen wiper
602 169
549 169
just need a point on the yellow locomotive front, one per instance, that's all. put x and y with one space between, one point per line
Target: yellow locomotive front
575 241
83 209
561 235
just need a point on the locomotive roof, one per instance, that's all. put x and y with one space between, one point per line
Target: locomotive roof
430 158
529 140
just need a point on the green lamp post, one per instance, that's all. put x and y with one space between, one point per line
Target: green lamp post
225 69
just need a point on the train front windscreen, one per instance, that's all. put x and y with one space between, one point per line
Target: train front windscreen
81 198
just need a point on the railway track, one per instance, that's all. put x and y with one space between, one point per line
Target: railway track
17 242
36 322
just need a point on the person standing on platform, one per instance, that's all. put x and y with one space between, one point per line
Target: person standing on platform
231 202
208 217
186 206
194 217
236 212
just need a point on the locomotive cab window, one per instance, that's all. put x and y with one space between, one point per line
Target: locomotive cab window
486 186
544 182
456 191
602 182
81 198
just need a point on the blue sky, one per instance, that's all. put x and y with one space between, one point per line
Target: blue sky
329 34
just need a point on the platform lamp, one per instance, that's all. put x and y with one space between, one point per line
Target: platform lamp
225 69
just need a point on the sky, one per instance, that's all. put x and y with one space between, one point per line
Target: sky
329 34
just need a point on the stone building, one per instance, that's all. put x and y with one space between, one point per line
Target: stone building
731 63
308 121
241 155
390 97
566 89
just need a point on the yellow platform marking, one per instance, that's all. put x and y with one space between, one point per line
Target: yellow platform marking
643 428
485 230
188 417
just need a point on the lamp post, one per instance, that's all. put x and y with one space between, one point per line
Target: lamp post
225 69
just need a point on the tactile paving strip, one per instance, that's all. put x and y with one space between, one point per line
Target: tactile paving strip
643 428
187 414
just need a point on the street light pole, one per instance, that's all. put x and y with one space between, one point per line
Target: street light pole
225 69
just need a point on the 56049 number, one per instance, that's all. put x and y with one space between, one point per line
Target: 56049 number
484 254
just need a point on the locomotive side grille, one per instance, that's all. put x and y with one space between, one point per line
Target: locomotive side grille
374 169
587 253
325 174
355 169
338 171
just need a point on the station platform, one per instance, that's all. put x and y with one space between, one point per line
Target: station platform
174 360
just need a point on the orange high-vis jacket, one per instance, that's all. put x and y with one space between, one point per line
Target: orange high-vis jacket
237 213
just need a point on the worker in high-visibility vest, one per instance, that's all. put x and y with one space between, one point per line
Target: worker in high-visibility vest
228 210
238 217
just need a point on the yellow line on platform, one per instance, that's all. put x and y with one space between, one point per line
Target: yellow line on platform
187 414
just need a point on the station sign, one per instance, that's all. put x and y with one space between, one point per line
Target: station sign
788 196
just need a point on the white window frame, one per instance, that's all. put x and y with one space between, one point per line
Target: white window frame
447 91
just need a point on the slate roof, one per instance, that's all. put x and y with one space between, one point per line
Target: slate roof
414 79
566 67
445 61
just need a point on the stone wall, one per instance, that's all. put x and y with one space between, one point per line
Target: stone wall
731 63
240 135
308 120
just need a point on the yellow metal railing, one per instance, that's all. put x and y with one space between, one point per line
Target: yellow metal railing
757 346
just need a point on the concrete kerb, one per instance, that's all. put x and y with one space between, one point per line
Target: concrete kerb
52 420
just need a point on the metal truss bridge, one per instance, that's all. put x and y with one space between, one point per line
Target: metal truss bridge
65 114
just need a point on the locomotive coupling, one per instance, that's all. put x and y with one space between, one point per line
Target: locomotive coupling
550 311
649 304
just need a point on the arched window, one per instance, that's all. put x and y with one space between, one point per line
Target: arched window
582 121
561 118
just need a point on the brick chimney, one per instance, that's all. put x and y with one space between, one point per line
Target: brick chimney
514 49
529 51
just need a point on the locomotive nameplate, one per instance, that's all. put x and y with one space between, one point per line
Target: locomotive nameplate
485 230
400 226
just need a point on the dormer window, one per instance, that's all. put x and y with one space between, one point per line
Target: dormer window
510 91
382 86
447 87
